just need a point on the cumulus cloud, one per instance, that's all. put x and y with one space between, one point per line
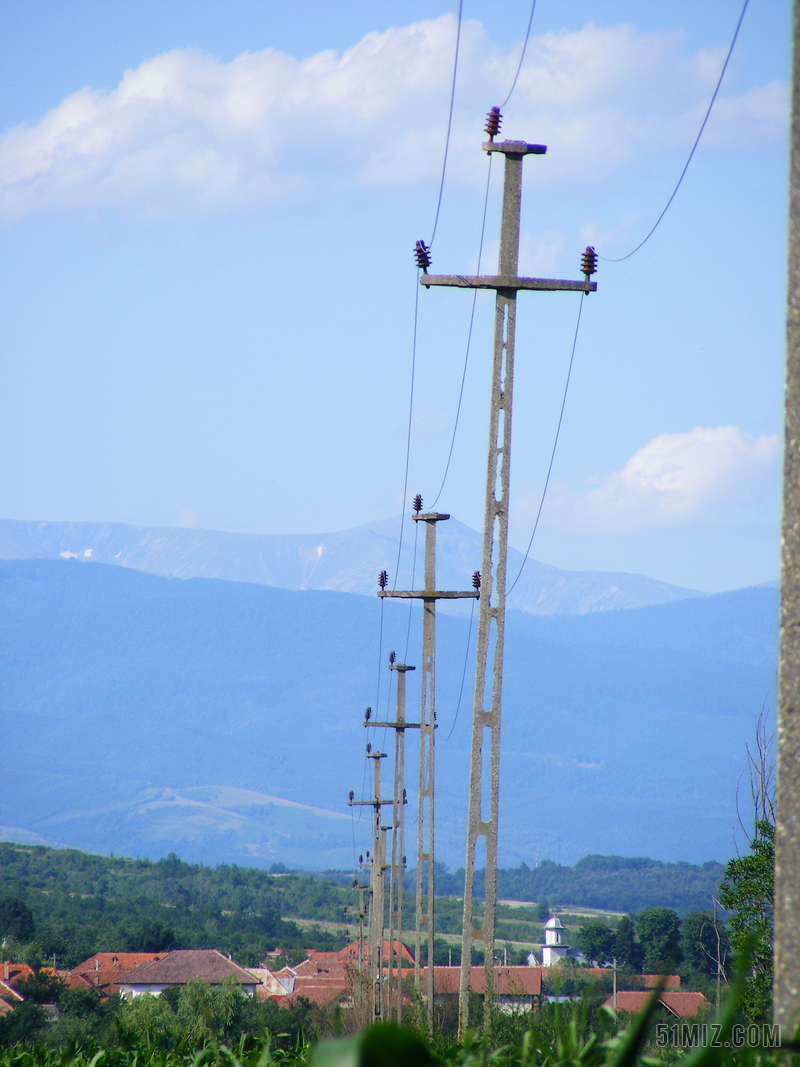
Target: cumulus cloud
675 478
187 132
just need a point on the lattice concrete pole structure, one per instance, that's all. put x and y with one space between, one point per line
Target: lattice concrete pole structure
485 755
397 868
787 836
378 887
425 925
377 881
427 747
362 914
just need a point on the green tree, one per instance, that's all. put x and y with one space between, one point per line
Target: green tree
41 988
704 942
748 893
209 1012
24 1023
659 932
16 920
150 1019
627 950
152 937
596 941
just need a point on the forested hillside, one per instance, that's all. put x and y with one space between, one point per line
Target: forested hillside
74 904
81 904
612 882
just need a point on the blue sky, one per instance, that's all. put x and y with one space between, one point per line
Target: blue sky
207 214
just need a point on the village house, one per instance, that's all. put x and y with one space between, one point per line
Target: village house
103 970
683 1004
515 988
180 966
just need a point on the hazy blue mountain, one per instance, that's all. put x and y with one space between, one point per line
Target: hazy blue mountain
347 562
223 720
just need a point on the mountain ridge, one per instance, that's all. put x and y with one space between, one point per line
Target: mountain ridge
147 715
348 561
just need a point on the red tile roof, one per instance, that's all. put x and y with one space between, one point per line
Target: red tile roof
103 970
317 991
12 973
350 952
5 1008
683 1005
323 968
508 981
8 992
181 965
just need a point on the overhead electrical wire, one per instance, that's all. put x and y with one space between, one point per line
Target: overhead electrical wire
480 249
555 445
416 278
464 672
449 124
469 338
620 259
410 600
410 417
521 58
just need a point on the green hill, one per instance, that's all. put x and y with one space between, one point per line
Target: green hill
81 904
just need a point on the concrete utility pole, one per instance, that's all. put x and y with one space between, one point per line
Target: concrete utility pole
362 914
400 725
787 836
491 620
425 821
377 883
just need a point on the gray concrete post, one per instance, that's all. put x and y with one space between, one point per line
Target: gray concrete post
425 926
398 845
491 618
787 836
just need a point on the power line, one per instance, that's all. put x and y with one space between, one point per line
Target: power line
449 125
416 295
410 414
521 58
555 445
464 672
694 146
483 227
469 339
411 602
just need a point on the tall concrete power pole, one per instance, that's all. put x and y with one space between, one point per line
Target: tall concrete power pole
425 927
377 883
397 868
787 836
482 817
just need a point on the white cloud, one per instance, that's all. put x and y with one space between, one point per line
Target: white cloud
426 424
186 132
673 479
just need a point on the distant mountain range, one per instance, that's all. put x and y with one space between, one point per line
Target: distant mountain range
222 720
345 562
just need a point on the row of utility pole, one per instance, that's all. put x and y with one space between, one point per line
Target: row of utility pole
483 811
383 962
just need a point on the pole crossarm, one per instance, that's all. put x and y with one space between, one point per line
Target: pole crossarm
399 725
368 803
427 594
515 148
507 282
